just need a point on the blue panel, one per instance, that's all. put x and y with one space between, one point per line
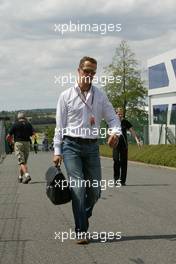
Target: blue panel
174 65
160 114
173 115
158 76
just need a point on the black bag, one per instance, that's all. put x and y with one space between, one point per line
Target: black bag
57 188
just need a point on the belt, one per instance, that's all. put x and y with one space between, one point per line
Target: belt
82 140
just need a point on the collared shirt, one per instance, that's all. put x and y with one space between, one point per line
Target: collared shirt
75 110
123 141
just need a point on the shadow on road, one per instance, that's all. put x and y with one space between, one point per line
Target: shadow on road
164 184
131 238
138 261
37 182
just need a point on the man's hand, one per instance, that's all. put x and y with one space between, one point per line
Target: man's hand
113 140
9 139
57 159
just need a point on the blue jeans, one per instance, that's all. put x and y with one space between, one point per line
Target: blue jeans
82 162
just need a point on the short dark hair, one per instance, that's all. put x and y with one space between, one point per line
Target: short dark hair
92 60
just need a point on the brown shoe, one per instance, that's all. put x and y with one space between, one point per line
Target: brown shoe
83 241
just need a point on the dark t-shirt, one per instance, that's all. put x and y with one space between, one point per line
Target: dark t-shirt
125 125
22 131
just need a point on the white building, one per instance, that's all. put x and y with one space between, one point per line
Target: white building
162 98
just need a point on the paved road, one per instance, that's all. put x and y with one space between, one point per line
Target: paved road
144 212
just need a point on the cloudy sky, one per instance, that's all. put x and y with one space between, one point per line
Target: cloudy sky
33 50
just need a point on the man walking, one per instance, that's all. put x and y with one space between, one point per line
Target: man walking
35 145
120 153
21 130
80 110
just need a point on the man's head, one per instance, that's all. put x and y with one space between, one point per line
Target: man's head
21 116
87 70
120 112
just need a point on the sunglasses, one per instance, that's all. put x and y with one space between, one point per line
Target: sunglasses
86 71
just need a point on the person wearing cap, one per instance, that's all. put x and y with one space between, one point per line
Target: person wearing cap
80 110
120 153
21 130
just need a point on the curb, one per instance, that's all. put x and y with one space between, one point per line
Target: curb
145 164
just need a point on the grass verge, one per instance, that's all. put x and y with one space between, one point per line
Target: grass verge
164 155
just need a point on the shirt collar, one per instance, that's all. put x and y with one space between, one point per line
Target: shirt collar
79 90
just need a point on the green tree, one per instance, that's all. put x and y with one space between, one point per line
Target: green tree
50 133
130 91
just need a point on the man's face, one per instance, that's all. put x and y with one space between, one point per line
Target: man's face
86 72
120 114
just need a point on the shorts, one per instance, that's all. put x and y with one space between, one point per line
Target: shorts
22 149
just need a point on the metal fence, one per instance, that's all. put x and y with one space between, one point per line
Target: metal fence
2 141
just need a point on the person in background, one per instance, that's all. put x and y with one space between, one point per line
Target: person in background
21 130
35 145
120 153
45 144
11 147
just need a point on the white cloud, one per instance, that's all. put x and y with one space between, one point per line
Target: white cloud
32 53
